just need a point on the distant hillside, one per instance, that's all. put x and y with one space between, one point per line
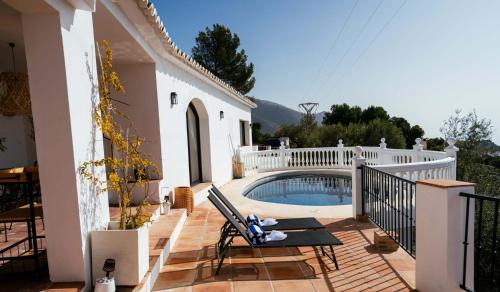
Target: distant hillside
489 145
319 117
272 115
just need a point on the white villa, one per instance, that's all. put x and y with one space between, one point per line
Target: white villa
192 121
196 128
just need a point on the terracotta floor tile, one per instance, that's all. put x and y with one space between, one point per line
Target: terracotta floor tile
249 271
175 279
192 263
213 287
292 285
284 270
179 289
252 286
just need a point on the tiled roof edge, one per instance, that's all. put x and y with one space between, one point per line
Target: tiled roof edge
153 18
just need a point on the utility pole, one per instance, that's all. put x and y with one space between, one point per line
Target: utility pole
309 110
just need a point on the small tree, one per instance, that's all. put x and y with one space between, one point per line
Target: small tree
128 168
259 137
217 50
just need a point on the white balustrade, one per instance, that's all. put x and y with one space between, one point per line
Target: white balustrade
412 164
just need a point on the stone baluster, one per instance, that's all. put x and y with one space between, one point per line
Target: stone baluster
340 145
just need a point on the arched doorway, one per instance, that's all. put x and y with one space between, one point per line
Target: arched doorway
194 145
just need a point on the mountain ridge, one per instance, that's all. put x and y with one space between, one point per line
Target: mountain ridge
272 115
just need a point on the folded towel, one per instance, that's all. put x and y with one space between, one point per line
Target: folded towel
275 236
252 219
269 222
256 234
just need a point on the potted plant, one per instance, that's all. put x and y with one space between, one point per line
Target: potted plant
127 169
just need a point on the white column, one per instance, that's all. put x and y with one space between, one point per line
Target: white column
381 152
440 213
417 150
63 85
451 151
357 192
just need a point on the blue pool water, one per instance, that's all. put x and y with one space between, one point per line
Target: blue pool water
303 189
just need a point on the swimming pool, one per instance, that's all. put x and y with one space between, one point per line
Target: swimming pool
302 189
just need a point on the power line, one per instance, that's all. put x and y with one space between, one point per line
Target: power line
372 41
354 41
339 34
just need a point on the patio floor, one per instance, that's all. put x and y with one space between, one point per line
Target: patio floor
191 264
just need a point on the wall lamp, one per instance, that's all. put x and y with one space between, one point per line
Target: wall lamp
173 98
221 114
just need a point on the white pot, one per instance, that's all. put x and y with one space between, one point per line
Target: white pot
129 248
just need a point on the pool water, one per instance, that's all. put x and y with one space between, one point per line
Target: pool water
303 189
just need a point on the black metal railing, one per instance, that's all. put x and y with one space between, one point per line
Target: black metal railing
389 202
486 243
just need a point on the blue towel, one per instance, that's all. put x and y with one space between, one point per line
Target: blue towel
252 219
256 234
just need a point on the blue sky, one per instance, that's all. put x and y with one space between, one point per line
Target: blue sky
433 56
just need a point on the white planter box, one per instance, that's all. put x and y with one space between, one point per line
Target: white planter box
129 248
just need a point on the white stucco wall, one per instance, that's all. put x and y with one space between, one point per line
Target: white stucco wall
141 105
21 150
174 76
224 134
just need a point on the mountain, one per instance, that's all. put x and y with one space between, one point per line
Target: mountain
319 117
272 115
489 145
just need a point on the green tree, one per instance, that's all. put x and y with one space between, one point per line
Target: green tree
299 136
217 50
258 137
329 135
377 129
401 123
415 132
308 122
436 144
374 112
342 114
469 130
355 134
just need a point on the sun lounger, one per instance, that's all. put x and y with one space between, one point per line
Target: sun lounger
315 238
283 224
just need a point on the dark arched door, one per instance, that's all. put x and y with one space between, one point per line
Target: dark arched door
193 131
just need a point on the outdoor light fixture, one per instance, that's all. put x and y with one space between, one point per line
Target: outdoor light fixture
173 98
221 113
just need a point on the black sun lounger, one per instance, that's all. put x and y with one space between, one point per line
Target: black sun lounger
283 224
315 238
